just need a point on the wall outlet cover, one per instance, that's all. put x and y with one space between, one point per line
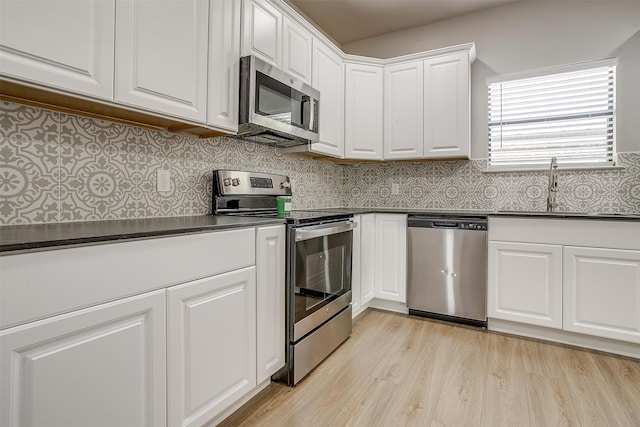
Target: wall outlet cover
163 180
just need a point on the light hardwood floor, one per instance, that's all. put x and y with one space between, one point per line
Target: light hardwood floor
398 370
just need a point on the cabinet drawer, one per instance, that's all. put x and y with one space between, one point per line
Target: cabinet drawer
41 284
573 232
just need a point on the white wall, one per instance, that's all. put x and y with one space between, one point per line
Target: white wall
533 34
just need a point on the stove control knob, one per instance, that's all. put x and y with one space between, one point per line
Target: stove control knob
227 182
235 182
285 184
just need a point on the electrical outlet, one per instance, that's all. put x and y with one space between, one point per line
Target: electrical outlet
395 188
163 180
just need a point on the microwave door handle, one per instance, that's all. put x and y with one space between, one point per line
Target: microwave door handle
311 113
307 110
307 233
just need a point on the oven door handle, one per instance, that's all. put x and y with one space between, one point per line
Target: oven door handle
311 232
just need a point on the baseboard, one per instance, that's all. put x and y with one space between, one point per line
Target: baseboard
563 337
233 408
398 307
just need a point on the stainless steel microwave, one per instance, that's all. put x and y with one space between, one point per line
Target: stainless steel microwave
276 108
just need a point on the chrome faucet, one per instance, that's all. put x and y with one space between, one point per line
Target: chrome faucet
553 185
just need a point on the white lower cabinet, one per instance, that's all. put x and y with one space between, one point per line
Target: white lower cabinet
391 257
211 345
526 283
356 255
602 292
367 257
205 330
362 276
100 366
577 279
379 262
270 300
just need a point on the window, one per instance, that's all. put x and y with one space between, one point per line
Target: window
569 115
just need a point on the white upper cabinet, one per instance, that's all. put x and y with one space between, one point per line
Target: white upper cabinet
262 31
67 45
403 110
363 111
296 51
446 106
224 65
161 56
427 106
328 78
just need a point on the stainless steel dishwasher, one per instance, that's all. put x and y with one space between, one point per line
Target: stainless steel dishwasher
447 268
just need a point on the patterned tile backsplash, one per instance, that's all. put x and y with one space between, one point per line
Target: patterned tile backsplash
56 167
463 185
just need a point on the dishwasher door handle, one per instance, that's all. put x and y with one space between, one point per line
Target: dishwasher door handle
442 224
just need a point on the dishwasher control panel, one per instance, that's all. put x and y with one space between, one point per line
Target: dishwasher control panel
478 224
475 226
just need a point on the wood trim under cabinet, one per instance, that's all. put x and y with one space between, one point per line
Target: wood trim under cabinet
58 101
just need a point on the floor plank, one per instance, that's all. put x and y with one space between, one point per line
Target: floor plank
398 370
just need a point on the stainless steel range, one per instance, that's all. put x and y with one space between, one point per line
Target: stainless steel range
318 266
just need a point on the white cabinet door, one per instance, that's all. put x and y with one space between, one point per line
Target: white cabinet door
403 111
367 257
363 111
101 366
447 106
525 283
67 45
224 64
211 345
262 31
356 286
602 292
296 51
328 78
161 56
270 300
391 257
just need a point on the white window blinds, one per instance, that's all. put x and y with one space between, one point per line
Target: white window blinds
568 115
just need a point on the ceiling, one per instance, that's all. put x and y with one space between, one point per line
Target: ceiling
350 20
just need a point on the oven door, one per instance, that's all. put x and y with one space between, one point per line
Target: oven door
320 274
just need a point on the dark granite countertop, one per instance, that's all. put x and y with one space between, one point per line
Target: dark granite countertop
22 238
477 213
